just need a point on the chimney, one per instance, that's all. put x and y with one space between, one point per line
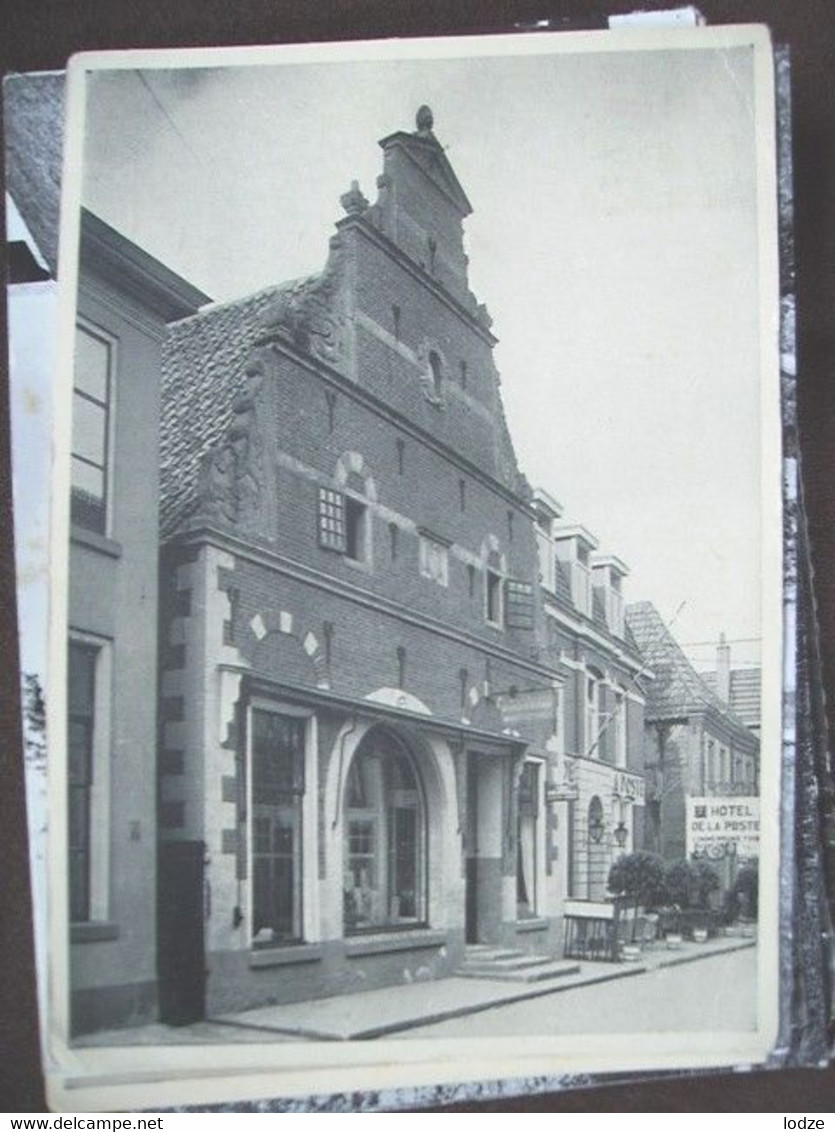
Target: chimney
723 669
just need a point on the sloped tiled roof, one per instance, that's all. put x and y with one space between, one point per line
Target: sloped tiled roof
33 120
745 692
202 368
677 689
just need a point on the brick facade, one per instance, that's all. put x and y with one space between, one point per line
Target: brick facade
351 553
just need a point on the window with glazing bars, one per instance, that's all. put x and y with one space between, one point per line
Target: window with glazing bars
332 529
81 698
90 430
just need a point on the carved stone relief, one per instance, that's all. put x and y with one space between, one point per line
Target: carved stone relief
311 313
232 477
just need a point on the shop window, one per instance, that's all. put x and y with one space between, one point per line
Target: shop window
277 776
526 842
91 426
384 838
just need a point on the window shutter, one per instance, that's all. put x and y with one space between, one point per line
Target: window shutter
519 604
332 520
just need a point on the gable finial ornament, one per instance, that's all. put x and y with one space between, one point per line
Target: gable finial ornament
353 202
424 120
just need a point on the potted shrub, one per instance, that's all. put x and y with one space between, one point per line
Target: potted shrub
691 885
639 879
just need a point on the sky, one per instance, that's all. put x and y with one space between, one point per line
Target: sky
613 240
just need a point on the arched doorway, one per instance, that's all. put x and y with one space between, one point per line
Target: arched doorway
598 857
385 842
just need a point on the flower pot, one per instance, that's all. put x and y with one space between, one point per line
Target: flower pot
674 940
700 935
630 952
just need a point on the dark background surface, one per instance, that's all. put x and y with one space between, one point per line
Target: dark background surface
42 34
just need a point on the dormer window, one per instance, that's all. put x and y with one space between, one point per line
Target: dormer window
573 547
609 573
581 582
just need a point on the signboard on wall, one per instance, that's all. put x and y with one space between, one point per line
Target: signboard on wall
723 827
629 787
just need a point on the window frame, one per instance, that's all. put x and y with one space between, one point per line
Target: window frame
98 853
536 895
94 330
333 506
620 720
308 847
593 689
490 572
383 838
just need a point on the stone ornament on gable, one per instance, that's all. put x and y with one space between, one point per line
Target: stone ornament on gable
311 313
232 472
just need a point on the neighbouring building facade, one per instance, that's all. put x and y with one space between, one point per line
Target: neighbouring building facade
599 745
695 744
740 688
372 693
125 300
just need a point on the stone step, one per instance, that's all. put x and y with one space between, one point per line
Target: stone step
511 962
552 969
487 953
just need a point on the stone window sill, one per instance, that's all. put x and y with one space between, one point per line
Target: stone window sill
93 931
286 956
538 924
94 541
415 940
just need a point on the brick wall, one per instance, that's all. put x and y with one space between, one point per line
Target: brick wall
317 445
362 654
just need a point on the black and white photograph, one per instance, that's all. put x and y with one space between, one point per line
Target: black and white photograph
415 608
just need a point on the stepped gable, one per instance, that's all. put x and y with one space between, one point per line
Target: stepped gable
417 220
677 688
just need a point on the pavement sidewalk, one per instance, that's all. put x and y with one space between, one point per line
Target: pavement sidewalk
392 1010
372 1014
